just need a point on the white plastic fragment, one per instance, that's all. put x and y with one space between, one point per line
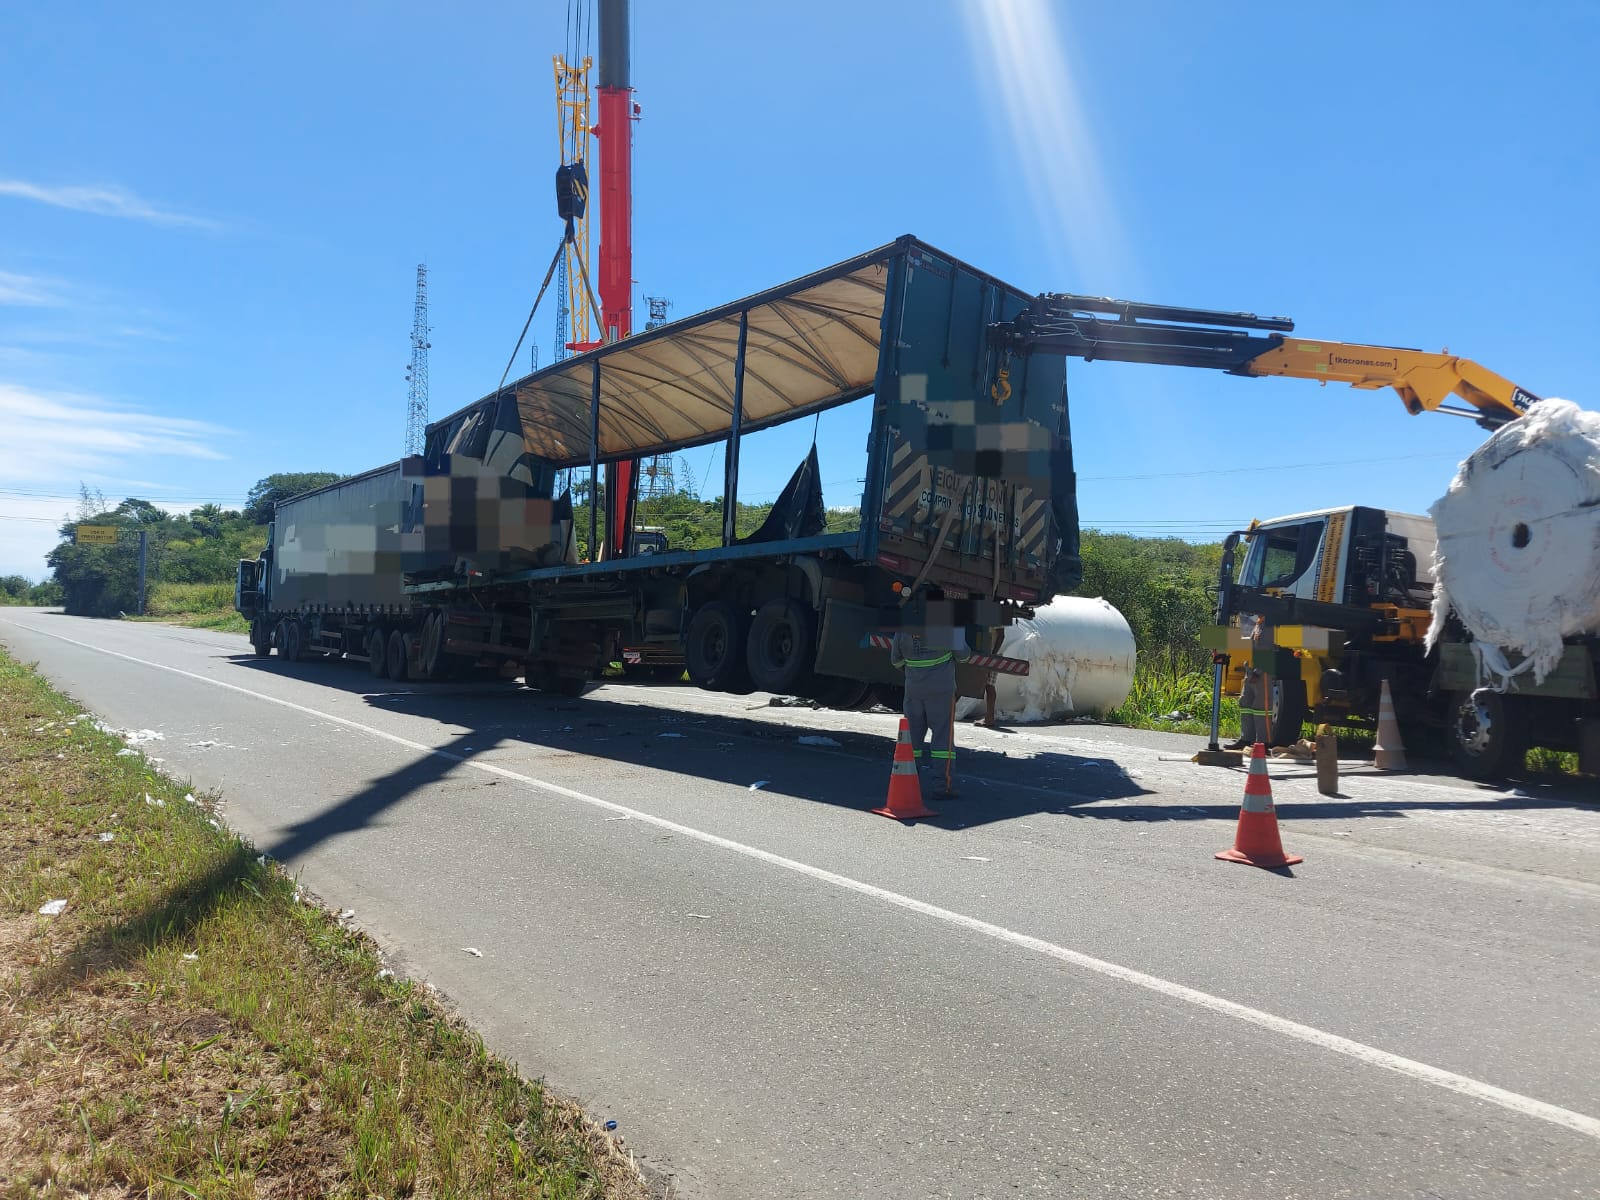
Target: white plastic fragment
974 858
670 735
759 784
815 739
191 958
108 837
609 819
346 913
137 737
157 802
52 908
472 950
386 974
189 798
126 753
699 916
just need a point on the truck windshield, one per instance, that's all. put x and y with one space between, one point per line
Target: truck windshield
1278 557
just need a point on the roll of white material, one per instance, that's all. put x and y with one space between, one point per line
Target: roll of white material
1518 555
1080 658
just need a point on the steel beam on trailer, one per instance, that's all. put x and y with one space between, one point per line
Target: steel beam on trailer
594 461
730 487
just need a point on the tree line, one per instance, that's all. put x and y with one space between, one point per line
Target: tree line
1165 587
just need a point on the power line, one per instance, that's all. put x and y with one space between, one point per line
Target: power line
1233 470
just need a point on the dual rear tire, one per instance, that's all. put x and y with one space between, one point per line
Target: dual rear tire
726 651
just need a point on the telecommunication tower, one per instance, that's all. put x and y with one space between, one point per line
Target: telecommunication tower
417 371
659 477
660 472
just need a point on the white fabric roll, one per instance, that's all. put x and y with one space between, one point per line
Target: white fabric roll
1518 555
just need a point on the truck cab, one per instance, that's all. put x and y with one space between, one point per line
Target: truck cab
1344 595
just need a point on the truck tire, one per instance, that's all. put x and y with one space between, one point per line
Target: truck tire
260 638
781 646
541 679
395 660
1488 736
714 648
291 641
432 653
831 691
1288 710
377 654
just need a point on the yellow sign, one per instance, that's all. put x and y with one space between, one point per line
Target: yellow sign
97 535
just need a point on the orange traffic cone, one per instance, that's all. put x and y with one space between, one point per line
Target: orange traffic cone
1255 842
1389 754
905 788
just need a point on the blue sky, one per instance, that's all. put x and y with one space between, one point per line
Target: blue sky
211 216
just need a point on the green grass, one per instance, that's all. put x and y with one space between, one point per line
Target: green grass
1163 687
1169 695
192 1026
196 605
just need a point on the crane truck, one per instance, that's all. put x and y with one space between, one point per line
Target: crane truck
1344 594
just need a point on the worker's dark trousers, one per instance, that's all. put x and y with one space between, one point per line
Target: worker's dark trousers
930 693
1252 711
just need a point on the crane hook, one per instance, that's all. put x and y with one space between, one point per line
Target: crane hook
1000 390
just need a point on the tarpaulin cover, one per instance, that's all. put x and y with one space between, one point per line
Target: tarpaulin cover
1518 556
808 346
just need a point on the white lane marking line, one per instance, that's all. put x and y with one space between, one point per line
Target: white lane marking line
1370 1055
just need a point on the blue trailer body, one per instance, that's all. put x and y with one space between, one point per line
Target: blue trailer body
962 489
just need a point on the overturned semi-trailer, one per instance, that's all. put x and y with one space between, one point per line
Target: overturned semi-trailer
477 546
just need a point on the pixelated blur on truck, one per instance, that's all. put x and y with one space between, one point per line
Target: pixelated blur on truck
467 556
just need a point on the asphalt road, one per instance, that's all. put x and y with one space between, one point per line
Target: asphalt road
1053 989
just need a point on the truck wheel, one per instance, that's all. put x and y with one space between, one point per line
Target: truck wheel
714 648
377 654
260 638
433 661
1488 736
781 647
395 662
291 642
1287 710
831 691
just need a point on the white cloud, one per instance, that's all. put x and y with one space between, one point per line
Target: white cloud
51 441
106 201
29 529
28 291
60 438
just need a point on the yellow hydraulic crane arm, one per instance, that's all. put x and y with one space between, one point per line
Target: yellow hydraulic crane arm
1424 381
1091 327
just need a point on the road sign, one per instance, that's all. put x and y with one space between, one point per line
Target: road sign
97 535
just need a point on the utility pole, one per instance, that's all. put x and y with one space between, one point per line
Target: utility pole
417 371
144 543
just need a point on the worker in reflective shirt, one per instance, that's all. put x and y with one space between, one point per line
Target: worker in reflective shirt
928 653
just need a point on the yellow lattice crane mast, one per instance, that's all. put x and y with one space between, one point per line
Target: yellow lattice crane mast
572 115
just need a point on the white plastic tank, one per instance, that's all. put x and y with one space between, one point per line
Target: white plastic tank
1080 658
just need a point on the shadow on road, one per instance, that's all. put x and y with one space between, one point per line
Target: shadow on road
616 736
